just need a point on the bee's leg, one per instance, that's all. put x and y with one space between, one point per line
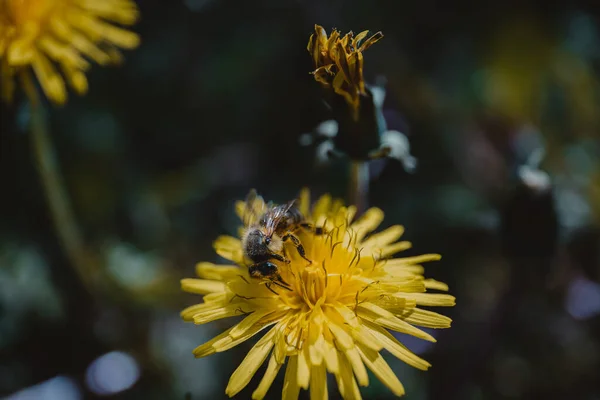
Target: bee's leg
279 257
253 271
281 283
268 286
298 245
310 227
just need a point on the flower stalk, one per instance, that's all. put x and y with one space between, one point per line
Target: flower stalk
54 188
359 185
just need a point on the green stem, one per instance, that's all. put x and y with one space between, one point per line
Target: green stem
54 188
359 185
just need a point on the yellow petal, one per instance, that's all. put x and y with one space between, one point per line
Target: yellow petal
230 248
230 310
280 342
207 348
350 214
63 53
431 299
345 380
384 238
413 260
337 205
370 41
51 82
426 318
396 348
436 285
201 286
355 62
189 312
324 74
304 202
215 272
251 363
20 52
311 45
343 338
99 30
303 369
125 13
381 369
364 336
115 56
342 61
395 248
321 209
402 270
359 38
207 312
291 390
240 209
267 379
315 344
251 209
357 366
318 383
217 297
341 87
77 79
368 222
396 304
225 342
378 315
247 322
332 361
357 330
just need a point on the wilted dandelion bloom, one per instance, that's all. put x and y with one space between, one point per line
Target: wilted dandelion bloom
56 39
339 62
336 315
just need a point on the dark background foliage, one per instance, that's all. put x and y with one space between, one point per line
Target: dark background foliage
212 104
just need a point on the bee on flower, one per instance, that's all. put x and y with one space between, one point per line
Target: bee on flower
334 314
55 40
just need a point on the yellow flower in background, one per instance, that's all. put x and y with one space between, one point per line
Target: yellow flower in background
339 62
48 36
335 315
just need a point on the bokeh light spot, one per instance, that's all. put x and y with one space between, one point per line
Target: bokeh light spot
112 373
58 388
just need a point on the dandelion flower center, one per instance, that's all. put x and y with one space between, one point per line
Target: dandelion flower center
321 282
21 11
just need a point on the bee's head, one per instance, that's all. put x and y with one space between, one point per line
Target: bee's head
263 239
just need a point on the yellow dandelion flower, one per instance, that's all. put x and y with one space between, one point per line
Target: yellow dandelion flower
46 34
339 62
336 314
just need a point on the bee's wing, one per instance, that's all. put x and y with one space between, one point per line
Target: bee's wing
275 216
289 205
254 208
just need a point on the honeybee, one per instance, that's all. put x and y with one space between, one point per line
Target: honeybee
267 229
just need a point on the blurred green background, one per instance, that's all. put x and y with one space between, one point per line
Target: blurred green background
213 103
